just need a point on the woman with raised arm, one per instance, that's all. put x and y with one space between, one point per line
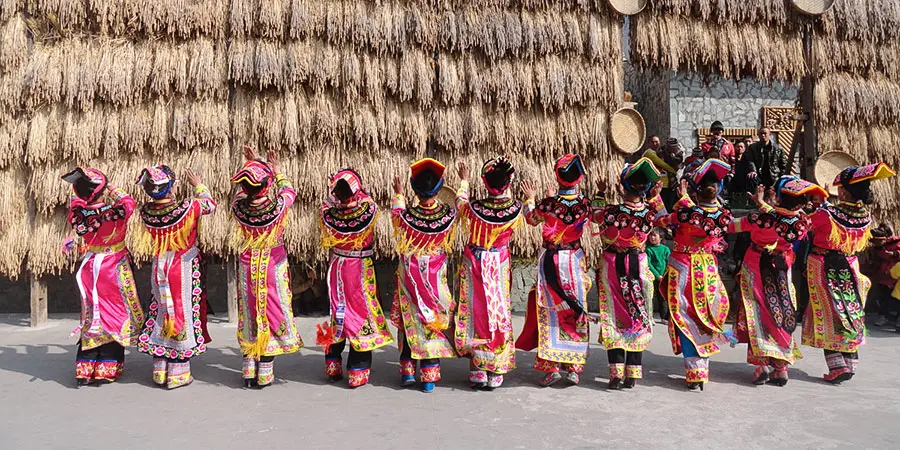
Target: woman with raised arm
835 320
175 330
423 303
557 320
767 315
696 295
625 285
265 320
110 309
484 331
348 225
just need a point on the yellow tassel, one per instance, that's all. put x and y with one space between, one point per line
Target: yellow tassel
258 348
169 327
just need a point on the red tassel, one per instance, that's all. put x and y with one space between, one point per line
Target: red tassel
324 335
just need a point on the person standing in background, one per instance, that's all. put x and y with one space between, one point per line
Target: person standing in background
658 256
763 163
667 162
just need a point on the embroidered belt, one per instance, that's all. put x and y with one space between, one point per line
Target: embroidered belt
114 248
681 248
576 245
762 250
821 251
365 253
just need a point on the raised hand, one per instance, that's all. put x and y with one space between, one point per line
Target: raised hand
250 153
463 171
655 190
272 160
757 196
529 190
397 185
602 186
683 188
192 178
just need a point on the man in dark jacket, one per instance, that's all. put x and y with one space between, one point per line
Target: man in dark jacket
764 163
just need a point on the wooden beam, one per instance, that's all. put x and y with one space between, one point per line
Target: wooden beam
231 279
38 301
809 149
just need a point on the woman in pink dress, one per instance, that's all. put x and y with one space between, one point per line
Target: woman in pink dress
423 302
265 320
175 330
484 330
348 225
557 321
767 316
110 309
625 285
696 295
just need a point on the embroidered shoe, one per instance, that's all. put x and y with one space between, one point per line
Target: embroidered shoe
696 385
780 378
838 376
428 387
615 384
494 381
573 377
761 376
550 379
478 379
407 380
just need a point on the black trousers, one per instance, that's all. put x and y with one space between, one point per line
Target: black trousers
356 360
406 353
620 356
112 351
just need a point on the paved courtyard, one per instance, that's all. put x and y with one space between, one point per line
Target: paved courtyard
41 408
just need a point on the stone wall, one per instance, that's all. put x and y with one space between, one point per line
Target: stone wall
695 102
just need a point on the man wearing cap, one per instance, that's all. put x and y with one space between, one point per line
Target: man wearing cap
764 163
421 310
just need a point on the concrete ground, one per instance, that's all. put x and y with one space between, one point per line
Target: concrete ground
41 408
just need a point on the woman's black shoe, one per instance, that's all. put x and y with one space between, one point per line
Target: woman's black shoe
629 383
615 384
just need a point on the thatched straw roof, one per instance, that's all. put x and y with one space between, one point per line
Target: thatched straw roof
373 85
858 89
733 38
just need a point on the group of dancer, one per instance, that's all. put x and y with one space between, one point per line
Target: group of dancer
432 321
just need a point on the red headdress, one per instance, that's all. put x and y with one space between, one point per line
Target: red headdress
95 178
569 170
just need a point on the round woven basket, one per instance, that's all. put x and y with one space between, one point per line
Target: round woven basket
829 165
628 7
813 7
447 195
627 130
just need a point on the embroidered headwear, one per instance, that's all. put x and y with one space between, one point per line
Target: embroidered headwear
871 172
794 186
569 170
157 181
639 178
256 174
427 177
87 183
856 180
497 174
346 185
710 170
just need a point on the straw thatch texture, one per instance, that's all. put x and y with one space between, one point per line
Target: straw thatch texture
733 38
327 84
857 97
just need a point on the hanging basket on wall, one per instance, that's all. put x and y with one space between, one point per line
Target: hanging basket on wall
628 7
829 165
627 130
813 7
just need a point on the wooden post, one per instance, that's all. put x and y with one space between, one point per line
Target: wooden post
231 279
809 150
38 301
